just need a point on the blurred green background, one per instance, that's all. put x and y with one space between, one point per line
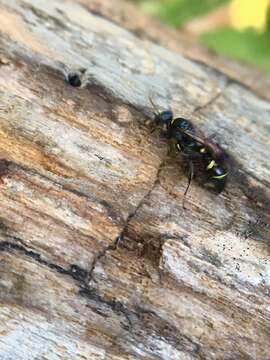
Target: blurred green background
246 45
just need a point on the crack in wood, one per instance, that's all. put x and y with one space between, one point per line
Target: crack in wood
121 236
157 319
100 255
139 317
233 80
214 98
74 271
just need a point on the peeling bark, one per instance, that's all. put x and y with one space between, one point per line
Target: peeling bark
98 258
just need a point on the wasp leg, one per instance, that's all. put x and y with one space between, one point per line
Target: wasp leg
154 128
171 150
190 177
174 148
163 133
156 111
158 128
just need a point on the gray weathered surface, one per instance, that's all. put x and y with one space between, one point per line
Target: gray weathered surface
98 258
130 17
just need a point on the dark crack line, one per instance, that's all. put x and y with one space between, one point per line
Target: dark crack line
142 201
213 99
230 79
99 256
74 271
82 276
117 307
120 237
77 273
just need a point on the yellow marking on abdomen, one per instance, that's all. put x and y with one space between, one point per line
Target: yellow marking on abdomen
220 176
211 165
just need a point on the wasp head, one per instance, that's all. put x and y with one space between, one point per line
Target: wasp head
163 118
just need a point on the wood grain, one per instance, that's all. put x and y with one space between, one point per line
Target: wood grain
98 258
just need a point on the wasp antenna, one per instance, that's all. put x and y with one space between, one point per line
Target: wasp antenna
156 111
190 177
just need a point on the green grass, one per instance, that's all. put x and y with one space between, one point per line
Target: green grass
247 46
178 12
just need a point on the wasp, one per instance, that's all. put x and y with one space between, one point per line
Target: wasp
205 158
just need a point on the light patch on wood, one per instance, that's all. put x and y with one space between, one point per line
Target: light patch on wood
22 339
13 26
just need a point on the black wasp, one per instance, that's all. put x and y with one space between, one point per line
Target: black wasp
204 157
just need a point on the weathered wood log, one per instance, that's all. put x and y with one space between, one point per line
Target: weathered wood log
132 19
98 259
